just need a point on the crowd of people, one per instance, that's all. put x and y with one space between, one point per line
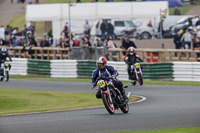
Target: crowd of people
188 38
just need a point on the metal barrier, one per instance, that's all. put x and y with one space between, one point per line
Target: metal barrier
91 53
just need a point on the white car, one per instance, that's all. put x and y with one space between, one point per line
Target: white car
123 28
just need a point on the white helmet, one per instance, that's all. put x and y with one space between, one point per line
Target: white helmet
4 51
101 62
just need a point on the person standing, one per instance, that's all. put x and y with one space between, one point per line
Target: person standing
177 40
130 43
177 11
2 32
87 28
186 40
103 30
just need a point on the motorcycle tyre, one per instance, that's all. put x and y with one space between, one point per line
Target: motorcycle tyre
140 81
109 107
7 76
1 79
133 83
125 108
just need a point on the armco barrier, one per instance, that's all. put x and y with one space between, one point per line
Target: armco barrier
39 67
157 71
186 71
19 66
64 68
151 71
85 68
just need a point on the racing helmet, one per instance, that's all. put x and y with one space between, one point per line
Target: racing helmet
131 50
4 51
101 62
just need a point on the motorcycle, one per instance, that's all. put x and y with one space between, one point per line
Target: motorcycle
136 73
4 71
111 96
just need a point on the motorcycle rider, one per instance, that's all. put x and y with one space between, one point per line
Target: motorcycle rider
130 59
106 71
3 55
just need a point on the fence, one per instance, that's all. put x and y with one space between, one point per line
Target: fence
93 53
160 55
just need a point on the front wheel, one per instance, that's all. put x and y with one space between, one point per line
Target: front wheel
140 79
7 75
108 103
125 108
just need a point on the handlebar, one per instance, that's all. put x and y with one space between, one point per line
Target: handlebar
98 78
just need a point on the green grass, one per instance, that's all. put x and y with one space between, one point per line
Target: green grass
18 21
178 130
147 82
16 101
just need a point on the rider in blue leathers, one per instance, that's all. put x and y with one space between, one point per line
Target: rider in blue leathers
107 71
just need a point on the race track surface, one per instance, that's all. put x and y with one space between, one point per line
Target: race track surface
165 107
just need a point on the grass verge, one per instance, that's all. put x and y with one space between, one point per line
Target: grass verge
178 130
16 101
147 82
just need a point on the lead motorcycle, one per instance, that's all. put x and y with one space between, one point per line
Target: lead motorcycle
4 71
136 73
111 96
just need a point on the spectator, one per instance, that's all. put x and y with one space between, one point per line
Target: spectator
186 40
2 32
37 1
198 31
196 46
76 42
177 40
30 1
66 43
98 43
2 42
59 45
44 42
177 11
86 43
110 44
32 28
8 30
87 28
85 51
129 43
15 31
150 24
124 45
110 30
198 22
160 28
103 30
65 31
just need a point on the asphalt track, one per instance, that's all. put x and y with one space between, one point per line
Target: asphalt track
165 107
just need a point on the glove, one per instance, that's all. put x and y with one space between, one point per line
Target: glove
113 76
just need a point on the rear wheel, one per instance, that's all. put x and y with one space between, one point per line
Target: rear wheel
108 103
125 108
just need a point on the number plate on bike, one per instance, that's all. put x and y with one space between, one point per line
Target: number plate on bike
6 63
137 65
101 83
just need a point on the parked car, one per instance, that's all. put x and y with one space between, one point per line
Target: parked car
180 24
123 28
